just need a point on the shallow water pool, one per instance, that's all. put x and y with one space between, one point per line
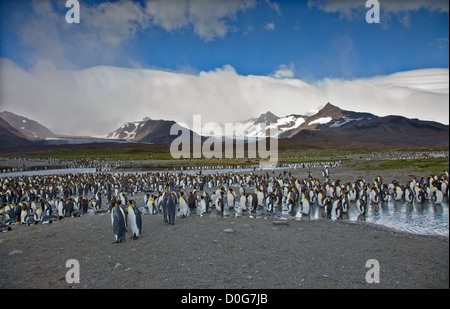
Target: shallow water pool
425 218
418 218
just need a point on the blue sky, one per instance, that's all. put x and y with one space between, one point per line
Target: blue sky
313 40
251 55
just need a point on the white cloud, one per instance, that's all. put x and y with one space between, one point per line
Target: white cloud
99 36
269 26
419 94
104 28
208 18
115 22
98 100
284 71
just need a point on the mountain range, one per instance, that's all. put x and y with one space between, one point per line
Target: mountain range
329 128
328 117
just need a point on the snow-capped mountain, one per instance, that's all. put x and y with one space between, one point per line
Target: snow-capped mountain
376 133
329 116
146 131
257 127
327 128
128 130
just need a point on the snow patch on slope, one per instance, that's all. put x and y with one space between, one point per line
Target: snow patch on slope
129 129
322 120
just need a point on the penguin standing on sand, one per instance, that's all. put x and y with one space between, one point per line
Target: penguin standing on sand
17 212
118 220
61 209
305 206
171 209
84 203
243 204
134 220
152 204
164 198
184 208
201 209
231 198
220 205
326 172
270 202
24 216
207 201
47 209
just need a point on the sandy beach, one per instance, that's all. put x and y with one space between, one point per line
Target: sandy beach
215 252
221 253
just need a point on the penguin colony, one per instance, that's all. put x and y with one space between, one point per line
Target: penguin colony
44 199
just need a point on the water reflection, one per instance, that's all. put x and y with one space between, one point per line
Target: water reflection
418 218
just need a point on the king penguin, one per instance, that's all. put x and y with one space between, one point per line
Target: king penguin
337 208
305 206
243 202
184 208
201 209
134 220
24 216
118 223
437 197
361 206
171 209
231 198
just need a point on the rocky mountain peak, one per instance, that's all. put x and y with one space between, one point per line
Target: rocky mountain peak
267 118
